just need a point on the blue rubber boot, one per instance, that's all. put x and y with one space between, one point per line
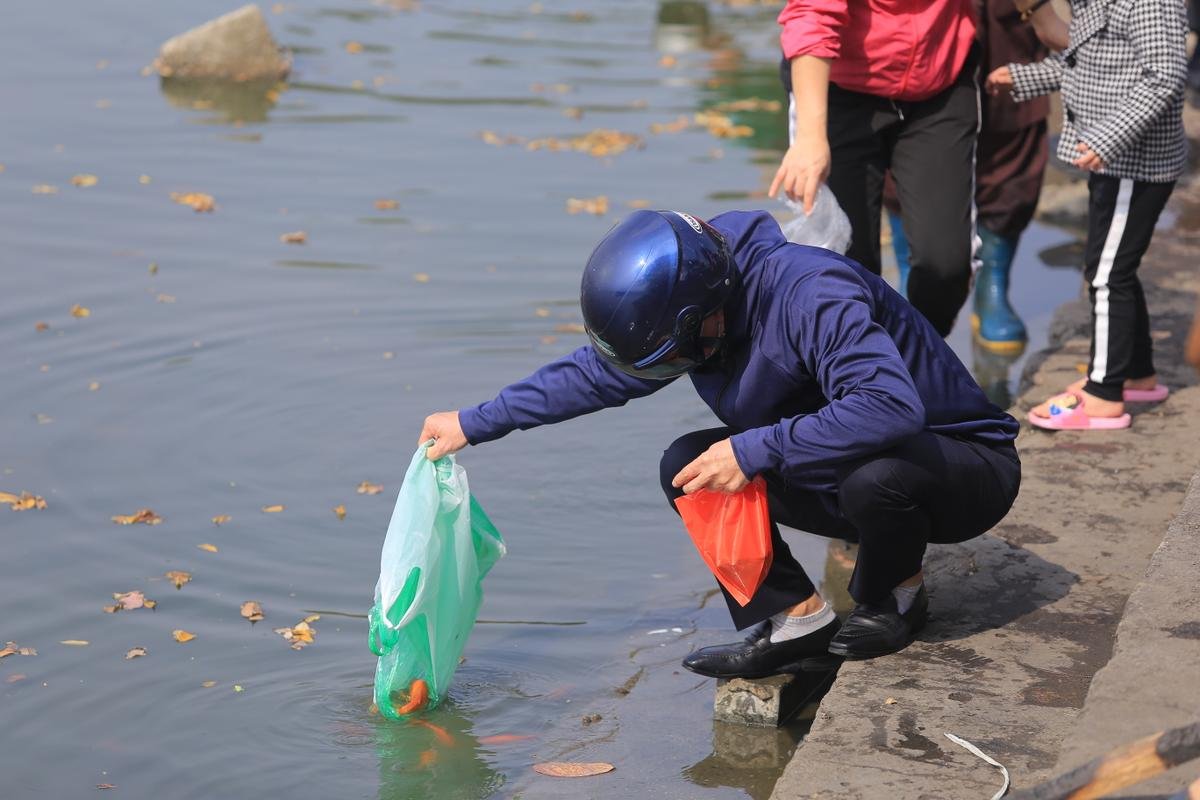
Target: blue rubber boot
996 325
900 248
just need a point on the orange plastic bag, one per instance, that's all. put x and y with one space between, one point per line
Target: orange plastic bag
733 534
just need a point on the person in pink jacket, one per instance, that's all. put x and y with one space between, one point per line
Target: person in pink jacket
889 84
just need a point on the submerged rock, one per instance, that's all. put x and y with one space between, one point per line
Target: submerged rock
236 47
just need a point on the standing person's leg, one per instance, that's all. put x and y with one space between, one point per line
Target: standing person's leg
1122 214
933 164
1008 178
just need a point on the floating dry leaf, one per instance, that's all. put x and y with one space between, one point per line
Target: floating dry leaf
588 205
142 515
674 126
14 649
106 786
143 179
638 203
94 386
354 47
748 104
23 502
570 327
573 112
421 277
295 237
165 298
599 143
300 634
75 642
252 610
79 312
41 326
212 548
128 601
209 684
179 577
668 61
16 676
573 769
340 510
387 204
272 509
83 179
135 652
366 487
722 126
504 738
45 188
197 201
221 519
182 635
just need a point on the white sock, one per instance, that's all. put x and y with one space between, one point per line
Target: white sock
905 595
784 627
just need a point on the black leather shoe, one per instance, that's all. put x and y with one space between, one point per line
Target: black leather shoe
872 631
757 657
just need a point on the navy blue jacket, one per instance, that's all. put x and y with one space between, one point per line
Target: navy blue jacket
823 363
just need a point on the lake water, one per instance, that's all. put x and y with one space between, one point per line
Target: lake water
240 371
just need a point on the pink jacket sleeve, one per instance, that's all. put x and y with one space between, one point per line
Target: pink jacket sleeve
812 27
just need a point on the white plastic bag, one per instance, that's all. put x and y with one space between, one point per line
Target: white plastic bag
827 226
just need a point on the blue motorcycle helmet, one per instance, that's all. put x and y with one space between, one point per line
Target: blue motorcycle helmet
647 289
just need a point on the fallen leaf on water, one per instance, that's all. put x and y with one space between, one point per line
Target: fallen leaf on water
504 738
153 268
212 548
638 203
165 298
387 204
570 327
221 519
588 205
674 126
572 769
179 577
143 179
272 509
45 188
668 61
427 758
541 312
299 635
366 487
197 201
128 601
41 326
75 642
252 610
354 47
12 648
209 684
295 237
421 277
94 386
340 510
312 618
748 104
16 676
722 126
23 502
83 179
106 786
143 515
135 652
79 312
182 635
573 112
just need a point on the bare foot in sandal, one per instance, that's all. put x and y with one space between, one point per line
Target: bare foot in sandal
1141 384
1092 406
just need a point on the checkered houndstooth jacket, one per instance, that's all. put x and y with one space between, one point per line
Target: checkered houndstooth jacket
1122 80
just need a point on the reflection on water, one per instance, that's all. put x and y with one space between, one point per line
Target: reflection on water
749 758
992 372
433 757
234 102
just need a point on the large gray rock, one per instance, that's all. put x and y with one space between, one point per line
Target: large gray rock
235 47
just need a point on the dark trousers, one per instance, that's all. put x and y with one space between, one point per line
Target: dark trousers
929 145
930 488
1122 214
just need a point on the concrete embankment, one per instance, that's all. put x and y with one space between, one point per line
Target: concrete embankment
1027 653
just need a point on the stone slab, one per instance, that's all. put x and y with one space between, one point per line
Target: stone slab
768 702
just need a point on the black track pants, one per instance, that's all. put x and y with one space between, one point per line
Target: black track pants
1122 214
929 145
930 488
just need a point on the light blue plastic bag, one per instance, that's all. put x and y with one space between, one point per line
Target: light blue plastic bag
438 547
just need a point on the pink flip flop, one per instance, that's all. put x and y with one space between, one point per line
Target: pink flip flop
1155 395
1067 414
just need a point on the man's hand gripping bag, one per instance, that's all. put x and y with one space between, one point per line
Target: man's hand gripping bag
732 531
438 547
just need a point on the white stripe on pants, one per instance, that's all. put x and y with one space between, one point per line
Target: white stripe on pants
1112 243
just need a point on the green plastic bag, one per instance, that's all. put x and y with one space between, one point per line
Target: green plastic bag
438 547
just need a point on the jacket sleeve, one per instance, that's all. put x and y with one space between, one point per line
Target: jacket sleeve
812 27
1036 79
576 384
873 402
1157 32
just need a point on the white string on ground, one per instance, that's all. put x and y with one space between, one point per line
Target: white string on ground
973 750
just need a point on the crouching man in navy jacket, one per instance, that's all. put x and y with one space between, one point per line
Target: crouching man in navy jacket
862 422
